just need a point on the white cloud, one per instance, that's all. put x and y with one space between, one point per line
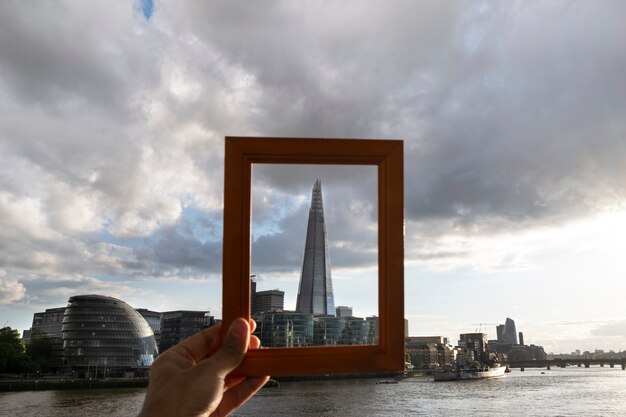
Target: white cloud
11 291
23 218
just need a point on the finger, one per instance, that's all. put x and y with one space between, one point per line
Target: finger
231 380
255 343
252 325
235 346
200 345
239 394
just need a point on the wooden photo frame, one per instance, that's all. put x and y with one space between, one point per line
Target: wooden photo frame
387 156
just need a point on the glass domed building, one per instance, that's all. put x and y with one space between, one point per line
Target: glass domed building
104 336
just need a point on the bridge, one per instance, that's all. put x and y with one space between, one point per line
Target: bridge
562 363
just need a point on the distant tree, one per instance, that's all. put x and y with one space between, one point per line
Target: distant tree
39 350
13 358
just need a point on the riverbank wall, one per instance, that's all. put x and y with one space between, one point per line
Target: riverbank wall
69 384
43 385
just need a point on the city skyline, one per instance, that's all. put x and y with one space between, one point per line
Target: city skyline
112 119
50 317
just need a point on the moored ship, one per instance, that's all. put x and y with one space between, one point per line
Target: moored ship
470 373
473 361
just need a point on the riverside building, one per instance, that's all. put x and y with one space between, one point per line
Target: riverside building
428 352
295 329
178 325
96 336
104 336
48 324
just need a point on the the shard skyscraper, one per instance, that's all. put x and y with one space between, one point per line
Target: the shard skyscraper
315 292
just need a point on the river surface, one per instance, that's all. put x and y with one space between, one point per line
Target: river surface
593 392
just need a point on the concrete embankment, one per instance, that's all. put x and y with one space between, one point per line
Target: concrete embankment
8 385
43 384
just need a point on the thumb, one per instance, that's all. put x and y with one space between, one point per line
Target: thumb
235 346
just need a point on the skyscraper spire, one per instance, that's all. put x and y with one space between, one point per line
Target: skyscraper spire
315 292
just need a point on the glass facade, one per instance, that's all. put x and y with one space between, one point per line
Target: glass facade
104 336
178 325
154 321
287 329
49 323
329 331
509 332
268 301
315 291
292 329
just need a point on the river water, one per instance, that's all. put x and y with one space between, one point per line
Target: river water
593 392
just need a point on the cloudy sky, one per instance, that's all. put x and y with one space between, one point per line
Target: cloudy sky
113 114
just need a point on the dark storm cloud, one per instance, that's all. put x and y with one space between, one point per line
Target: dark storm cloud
328 71
180 251
536 134
52 61
512 116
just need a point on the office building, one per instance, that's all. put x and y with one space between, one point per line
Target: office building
252 295
285 329
315 292
499 330
526 353
153 318
178 325
428 352
343 311
507 334
104 336
372 329
473 347
268 301
294 329
48 324
345 330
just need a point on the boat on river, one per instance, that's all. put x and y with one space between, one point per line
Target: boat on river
460 373
473 361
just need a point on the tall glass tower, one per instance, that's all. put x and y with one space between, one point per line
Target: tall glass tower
509 332
315 292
